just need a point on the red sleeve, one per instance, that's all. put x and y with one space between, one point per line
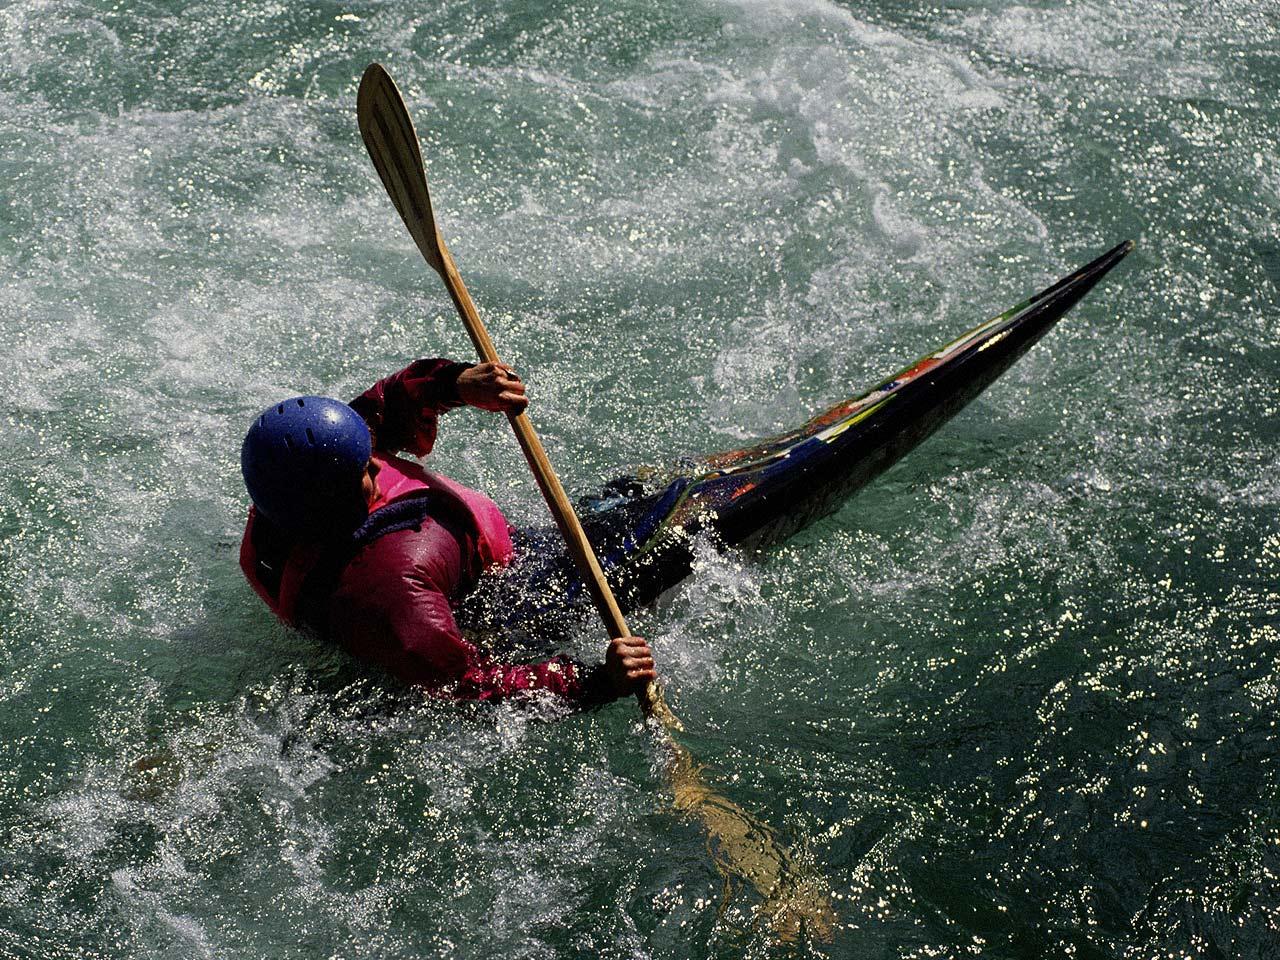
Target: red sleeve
402 410
425 647
403 622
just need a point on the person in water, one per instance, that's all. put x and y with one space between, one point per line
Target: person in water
363 546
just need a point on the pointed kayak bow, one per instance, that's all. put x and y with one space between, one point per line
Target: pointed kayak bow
803 475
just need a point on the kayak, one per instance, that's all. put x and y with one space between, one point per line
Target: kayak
643 526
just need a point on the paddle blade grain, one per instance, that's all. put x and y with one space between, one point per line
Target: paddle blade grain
392 143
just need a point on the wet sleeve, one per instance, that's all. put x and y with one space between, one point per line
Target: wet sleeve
566 678
416 638
402 410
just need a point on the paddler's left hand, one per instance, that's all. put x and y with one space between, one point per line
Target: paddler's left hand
492 386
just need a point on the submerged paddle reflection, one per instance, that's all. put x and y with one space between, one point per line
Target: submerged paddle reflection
796 899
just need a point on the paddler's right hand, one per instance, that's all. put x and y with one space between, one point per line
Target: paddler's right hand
629 664
492 386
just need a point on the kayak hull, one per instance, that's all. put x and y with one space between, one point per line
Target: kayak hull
643 526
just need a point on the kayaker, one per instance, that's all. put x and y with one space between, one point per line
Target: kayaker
361 545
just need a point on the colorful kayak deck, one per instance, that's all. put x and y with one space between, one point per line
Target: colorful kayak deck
641 526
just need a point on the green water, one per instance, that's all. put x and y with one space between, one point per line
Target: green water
1017 699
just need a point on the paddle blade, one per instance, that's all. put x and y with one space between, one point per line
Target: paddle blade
393 146
796 900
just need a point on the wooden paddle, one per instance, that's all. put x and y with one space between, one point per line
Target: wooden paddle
743 847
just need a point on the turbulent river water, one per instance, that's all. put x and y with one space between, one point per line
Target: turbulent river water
1017 699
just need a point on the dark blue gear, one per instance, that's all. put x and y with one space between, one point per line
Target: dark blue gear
303 461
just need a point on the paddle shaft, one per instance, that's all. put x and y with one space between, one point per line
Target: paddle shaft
393 147
544 474
744 846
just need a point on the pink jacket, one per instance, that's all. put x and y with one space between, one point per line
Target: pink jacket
391 602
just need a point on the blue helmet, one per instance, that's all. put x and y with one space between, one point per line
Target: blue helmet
303 461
